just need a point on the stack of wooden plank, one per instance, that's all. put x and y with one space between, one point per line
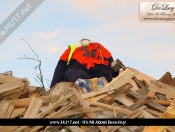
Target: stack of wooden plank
121 98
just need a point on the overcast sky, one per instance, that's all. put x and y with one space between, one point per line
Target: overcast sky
55 24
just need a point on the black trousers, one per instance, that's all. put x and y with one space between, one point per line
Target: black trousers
74 73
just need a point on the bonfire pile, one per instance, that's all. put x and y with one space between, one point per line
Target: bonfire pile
121 98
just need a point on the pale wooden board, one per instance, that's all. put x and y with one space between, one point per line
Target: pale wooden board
33 108
6 109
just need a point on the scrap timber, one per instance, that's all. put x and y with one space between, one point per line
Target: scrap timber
120 99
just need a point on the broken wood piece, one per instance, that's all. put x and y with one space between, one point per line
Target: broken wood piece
33 108
6 109
162 88
139 103
108 107
113 85
17 112
11 87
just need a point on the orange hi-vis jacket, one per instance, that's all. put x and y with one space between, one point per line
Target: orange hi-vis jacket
88 55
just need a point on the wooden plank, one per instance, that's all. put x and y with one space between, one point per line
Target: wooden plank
123 100
6 109
33 108
113 85
99 97
162 102
17 112
108 107
162 88
139 103
153 112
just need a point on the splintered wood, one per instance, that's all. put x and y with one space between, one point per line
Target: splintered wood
117 100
